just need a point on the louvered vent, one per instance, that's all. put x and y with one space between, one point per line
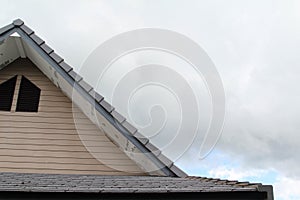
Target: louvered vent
29 96
7 90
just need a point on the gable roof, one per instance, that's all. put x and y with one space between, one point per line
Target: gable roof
160 164
123 134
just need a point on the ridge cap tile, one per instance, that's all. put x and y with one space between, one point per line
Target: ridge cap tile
18 22
151 147
26 29
98 97
46 48
164 159
37 39
56 57
141 138
118 116
87 87
129 127
66 67
75 76
109 108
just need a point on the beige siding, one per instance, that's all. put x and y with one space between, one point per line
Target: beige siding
48 141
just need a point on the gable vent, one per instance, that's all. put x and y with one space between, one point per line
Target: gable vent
29 96
7 93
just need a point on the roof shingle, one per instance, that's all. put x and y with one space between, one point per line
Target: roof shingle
112 184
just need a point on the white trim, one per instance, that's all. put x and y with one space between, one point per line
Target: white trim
20 47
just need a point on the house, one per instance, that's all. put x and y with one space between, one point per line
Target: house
60 139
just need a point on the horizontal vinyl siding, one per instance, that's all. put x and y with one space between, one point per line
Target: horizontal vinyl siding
48 141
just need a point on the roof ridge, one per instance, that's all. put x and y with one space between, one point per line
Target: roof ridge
131 131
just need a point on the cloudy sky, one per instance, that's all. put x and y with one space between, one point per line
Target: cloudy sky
254 46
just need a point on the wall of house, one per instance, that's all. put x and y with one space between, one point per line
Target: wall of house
48 141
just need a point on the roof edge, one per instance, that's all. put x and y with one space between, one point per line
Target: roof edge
268 189
6 28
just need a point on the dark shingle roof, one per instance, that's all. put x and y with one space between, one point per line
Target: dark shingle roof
113 184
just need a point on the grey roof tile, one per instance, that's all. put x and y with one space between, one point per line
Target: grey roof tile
141 138
129 127
96 96
26 29
65 66
153 149
118 116
75 76
56 57
18 22
109 108
165 160
85 85
37 39
46 48
113 184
